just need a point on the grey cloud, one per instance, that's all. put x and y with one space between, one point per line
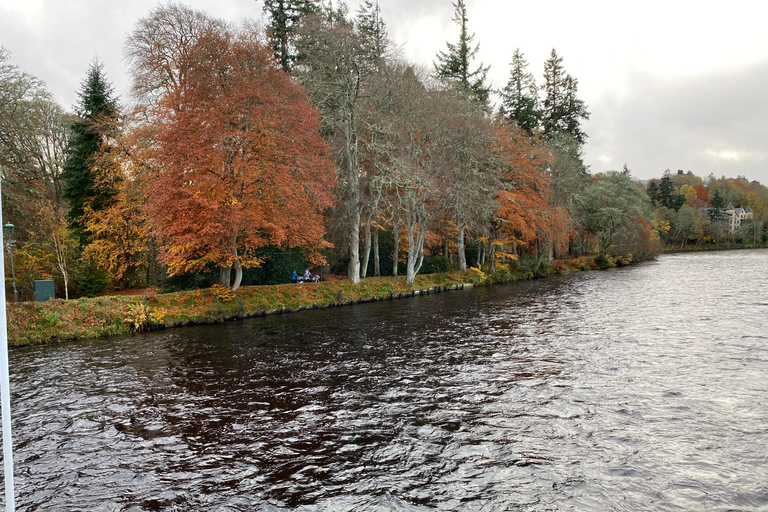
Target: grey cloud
709 123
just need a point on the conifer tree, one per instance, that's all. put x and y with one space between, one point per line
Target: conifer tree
373 30
519 98
454 64
284 16
97 113
717 212
562 110
575 110
666 190
653 192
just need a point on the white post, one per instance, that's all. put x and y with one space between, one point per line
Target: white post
5 395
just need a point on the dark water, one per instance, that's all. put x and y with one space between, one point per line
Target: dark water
634 389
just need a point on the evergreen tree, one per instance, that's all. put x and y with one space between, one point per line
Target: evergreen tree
575 110
554 94
284 16
666 190
653 193
97 113
717 212
519 98
562 111
373 30
454 64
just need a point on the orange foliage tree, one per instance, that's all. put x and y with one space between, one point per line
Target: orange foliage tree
119 231
525 213
238 161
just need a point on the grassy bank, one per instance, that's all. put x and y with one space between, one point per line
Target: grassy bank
58 319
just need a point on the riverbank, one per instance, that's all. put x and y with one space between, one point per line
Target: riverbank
59 320
713 247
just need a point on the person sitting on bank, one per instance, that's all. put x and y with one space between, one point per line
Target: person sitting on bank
307 276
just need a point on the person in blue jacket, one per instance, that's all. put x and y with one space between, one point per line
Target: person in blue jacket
294 277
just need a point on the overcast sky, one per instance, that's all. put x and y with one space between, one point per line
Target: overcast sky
670 84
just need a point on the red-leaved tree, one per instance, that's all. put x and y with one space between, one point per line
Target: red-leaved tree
238 161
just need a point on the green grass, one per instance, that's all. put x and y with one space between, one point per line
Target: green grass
41 322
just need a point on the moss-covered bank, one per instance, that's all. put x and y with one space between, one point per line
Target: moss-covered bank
54 320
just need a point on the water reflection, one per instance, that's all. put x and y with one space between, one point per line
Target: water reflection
638 388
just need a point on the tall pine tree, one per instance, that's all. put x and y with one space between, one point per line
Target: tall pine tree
575 110
97 115
454 64
373 30
519 98
562 110
284 16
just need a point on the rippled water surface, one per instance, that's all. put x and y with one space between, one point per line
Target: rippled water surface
634 389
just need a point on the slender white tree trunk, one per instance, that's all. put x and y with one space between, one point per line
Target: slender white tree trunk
376 259
396 251
461 249
366 248
238 274
225 276
410 273
354 248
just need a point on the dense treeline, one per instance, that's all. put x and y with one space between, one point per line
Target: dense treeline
244 155
690 211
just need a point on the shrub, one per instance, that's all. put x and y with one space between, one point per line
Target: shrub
222 293
138 316
477 276
90 280
435 264
150 294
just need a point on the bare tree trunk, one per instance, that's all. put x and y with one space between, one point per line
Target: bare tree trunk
238 275
376 260
461 249
410 274
396 252
225 275
353 272
542 253
366 248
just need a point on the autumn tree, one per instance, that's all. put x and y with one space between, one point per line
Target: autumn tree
526 214
239 163
157 51
97 112
454 65
119 231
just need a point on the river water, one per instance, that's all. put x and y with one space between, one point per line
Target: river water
641 388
